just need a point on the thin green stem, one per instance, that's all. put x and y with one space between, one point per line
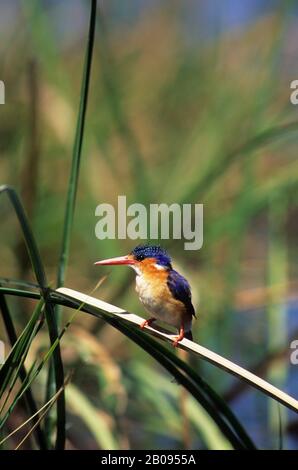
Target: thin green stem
77 150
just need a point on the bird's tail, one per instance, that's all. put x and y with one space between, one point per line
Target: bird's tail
188 335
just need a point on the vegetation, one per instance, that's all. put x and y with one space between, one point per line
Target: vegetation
169 119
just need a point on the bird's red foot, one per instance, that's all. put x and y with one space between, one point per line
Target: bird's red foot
178 338
147 322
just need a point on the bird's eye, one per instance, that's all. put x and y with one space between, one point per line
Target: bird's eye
140 257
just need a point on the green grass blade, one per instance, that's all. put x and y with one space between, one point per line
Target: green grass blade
170 364
214 398
28 235
35 370
72 186
76 158
49 310
152 383
197 388
20 293
11 368
29 398
181 371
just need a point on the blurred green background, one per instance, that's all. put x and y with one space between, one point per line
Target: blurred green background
189 102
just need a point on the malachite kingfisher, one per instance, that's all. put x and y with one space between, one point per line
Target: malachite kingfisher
165 294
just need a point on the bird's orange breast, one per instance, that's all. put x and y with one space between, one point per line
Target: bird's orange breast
154 293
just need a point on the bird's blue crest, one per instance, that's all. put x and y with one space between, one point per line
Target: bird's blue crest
141 252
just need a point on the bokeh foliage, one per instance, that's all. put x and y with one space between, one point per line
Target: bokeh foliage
170 119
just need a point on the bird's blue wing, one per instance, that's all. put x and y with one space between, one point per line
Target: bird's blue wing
180 290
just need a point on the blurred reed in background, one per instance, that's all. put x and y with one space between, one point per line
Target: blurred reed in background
170 119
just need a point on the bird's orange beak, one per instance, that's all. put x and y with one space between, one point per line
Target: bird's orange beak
117 261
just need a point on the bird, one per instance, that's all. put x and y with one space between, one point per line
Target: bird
165 294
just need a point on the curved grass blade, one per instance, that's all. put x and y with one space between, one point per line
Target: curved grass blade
35 370
192 347
60 297
49 310
240 440
161 355
100 312
214 398
170 362
20 293
152 382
